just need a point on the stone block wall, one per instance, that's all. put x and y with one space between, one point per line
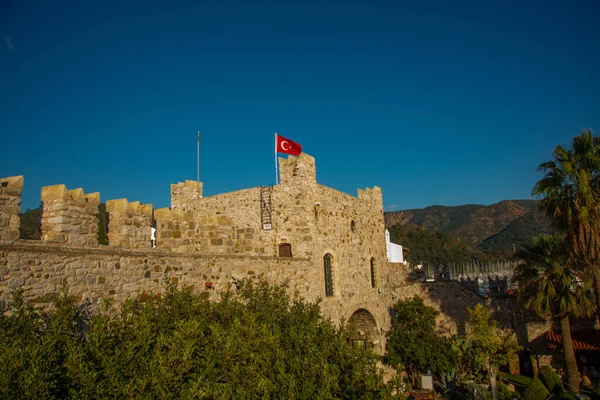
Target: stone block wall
40 270
10 207
175 230
302 168
69 216
129 224
185 195
228 223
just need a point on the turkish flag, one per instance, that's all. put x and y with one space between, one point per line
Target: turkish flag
287 146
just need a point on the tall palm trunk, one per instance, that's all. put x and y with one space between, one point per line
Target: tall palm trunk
570 360
596 276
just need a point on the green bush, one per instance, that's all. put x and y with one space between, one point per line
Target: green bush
550 379
471 391
256 343
566 395
536 391
503 392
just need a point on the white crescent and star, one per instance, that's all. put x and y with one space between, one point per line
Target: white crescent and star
283 143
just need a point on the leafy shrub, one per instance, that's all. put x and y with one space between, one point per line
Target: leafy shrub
536 391
256 343
414 343
503 392
550 379
471 391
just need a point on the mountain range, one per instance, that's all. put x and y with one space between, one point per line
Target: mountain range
497 229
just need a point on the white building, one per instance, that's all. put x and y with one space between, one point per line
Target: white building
395 252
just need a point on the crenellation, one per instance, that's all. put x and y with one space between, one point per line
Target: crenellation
129 224
69 216
185 195
10 206
294 170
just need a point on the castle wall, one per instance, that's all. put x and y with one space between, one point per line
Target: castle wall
129 224
10 207
69 216
208 243
184 195
228 223
93 272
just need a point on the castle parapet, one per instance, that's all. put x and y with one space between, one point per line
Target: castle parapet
69 216
184 195
373 195
10 207
299 169
129 224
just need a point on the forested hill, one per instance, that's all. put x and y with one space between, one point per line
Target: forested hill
497 226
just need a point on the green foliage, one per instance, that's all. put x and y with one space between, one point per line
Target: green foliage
430 246
413 343
471 391
536 391
550 379
548 279
519 380
551 286
503 392
565 395
490 345
256 343
569 194
518 233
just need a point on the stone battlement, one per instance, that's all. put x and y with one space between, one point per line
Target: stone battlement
69 216
123 205
60 192
129 224
10 207
185 195
12 185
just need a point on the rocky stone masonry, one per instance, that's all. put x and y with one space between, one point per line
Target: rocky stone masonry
129 224
69 216
175 230
210 243
10 207
185 194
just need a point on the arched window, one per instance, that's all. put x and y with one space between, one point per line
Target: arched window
373 282
328 275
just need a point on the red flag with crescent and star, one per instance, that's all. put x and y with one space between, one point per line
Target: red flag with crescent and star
288 146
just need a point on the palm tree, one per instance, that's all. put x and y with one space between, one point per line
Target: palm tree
550 286
570 195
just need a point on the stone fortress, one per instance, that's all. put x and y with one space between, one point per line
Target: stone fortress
321 242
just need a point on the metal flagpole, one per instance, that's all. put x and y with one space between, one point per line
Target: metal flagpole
276 162
198 161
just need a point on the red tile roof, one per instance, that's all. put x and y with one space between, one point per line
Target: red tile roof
582 340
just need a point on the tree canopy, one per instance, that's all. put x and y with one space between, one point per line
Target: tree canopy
256 343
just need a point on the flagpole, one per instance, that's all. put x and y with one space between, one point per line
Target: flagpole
276 162
198 162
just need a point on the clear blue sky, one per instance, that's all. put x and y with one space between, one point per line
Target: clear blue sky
437 102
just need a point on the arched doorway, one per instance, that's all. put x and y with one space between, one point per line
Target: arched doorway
367 330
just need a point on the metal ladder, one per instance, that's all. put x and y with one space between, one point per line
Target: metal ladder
266 207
